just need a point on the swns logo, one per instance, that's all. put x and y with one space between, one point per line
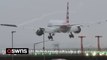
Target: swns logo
17 50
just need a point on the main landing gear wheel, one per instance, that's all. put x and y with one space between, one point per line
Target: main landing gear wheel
71 35
50 37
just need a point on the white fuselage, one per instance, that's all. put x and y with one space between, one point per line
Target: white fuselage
58 26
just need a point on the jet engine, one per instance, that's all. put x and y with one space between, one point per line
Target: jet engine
76 29
40 31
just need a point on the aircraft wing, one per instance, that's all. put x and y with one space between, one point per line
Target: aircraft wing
10 25
89 24
93 23
70 25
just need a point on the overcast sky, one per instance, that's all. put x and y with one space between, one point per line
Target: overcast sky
29 15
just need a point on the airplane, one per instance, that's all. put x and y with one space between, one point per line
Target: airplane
60 26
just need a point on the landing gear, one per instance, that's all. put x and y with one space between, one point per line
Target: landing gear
71 35
50 37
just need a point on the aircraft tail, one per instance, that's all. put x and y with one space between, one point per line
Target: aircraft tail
67 14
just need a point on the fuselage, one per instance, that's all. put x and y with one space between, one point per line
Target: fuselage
60 25
64 28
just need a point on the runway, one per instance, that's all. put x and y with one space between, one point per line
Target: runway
52 57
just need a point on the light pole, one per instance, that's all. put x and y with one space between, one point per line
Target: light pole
12 37
82 48
12 40
10 25
98 42
39 43
44 45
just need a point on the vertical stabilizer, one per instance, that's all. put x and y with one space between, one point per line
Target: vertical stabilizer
67 14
